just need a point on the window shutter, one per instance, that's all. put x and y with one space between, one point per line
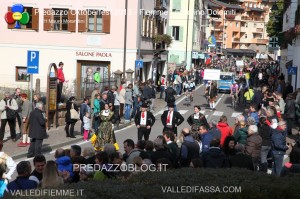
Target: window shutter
154 28
82 17
72 20
106 22
180 33
10 26
170 28
35 19
47 20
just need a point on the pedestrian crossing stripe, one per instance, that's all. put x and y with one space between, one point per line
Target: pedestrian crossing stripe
235 114
182 112
218 113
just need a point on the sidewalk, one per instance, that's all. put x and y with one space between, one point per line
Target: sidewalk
57 136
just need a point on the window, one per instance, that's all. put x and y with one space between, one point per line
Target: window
237 24
254 24
95 21
175 32
246 36
60 19
21 74
176 5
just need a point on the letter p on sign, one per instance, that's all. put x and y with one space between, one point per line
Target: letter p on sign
33 62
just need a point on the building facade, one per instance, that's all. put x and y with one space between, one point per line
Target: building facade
186 30
85 36
240 25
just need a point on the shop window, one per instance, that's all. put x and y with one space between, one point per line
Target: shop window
33 23
21 74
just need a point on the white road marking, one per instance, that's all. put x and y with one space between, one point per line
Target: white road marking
219 99
235 114
218 113
202 111
206 116
182 112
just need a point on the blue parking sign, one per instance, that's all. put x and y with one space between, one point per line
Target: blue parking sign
33 62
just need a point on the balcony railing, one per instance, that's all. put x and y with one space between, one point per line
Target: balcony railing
262 41
236 39
259 19
230 17
259 30
246 18
218 27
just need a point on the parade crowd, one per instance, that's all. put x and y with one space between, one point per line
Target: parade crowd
256 141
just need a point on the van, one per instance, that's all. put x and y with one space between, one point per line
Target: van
225 82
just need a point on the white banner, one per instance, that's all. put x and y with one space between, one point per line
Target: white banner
240 63
211 74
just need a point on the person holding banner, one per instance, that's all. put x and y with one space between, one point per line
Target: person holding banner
212 95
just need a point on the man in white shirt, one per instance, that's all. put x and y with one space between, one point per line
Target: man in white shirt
171 119
144 120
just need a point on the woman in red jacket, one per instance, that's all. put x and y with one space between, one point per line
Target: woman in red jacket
225 129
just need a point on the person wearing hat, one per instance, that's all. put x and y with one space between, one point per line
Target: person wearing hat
144 120
171 119
60 81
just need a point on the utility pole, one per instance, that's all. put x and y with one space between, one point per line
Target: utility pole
139 36
187 32
125 38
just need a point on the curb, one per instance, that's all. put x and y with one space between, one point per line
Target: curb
50 148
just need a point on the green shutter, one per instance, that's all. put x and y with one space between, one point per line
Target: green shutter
170 32
180 33
176 4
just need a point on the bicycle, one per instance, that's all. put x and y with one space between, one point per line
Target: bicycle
234 99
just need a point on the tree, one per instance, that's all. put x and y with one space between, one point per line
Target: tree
274 25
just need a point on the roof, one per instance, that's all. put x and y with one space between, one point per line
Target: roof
230 6
257 9
213 5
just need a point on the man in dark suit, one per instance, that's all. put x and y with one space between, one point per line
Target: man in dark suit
144 120
171 119
37 130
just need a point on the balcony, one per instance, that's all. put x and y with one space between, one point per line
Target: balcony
259 19
218 28
260 30
260 41
246 18
230 17
244 29
236 40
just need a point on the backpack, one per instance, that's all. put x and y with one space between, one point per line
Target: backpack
10 113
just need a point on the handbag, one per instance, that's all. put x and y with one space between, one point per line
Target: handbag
10 113
74 113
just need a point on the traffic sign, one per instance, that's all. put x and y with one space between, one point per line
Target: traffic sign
139 63
292 70
33 62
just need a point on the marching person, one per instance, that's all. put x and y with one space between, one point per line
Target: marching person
26 109
197 119
171 119
105 134
37 130
144 120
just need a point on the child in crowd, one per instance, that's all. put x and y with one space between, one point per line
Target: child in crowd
86 126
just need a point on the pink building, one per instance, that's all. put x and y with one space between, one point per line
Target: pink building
82 34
